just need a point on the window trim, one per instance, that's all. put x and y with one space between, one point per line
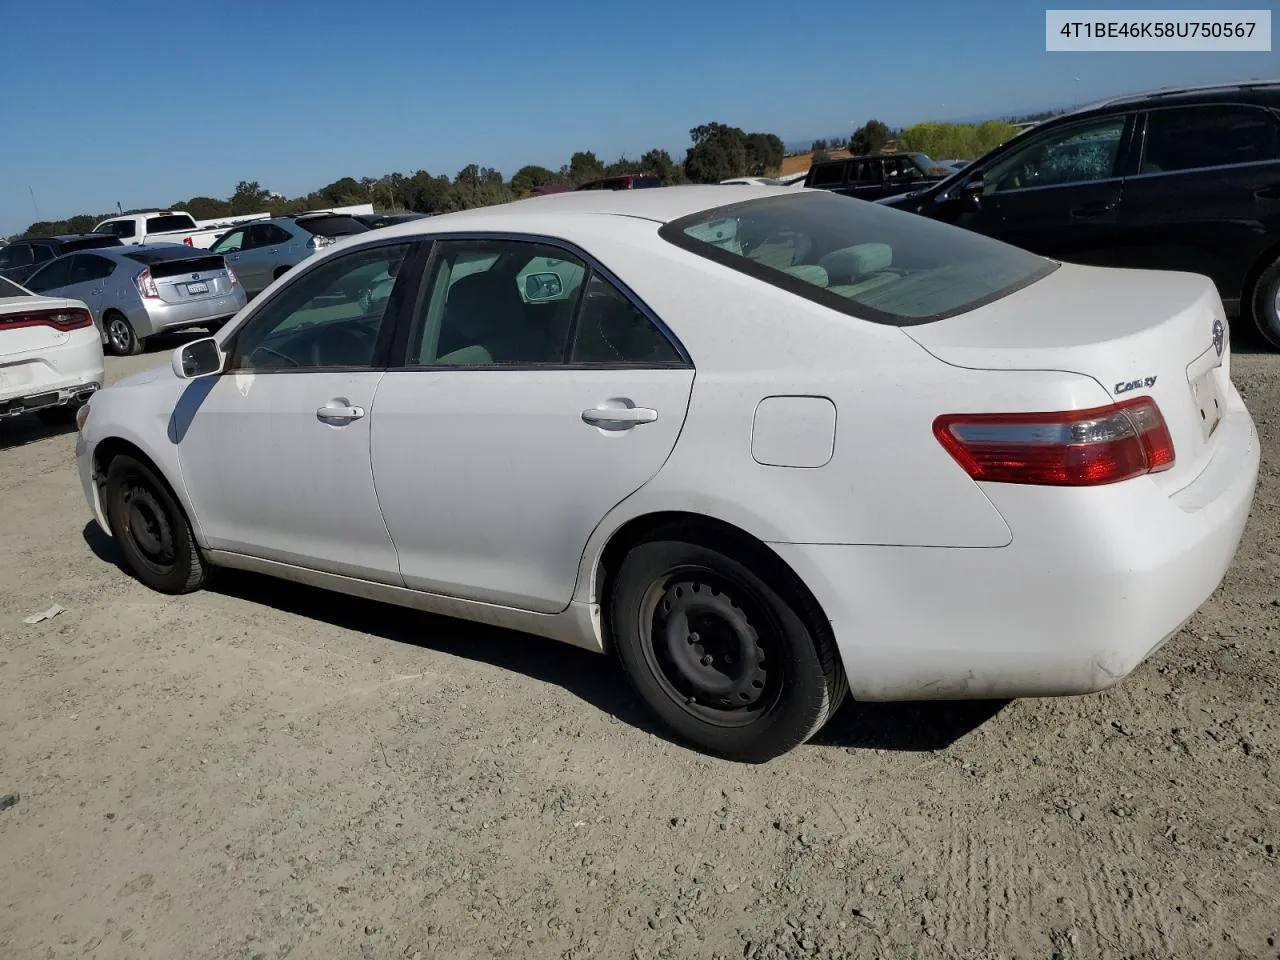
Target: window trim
673 232
400 349
393 319
1141 145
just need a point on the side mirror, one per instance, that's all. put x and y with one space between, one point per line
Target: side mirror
199 358
542 286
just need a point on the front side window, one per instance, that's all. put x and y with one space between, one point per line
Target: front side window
328 317
862 259
118 228
229 242
51 277
1186 138
1081 153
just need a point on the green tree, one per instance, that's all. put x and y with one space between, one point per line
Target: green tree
527 178
718 153
660 162
869 138
250 197
584 166
764 154
343 192
963 141
205 208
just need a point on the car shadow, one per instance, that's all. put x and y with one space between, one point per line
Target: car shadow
900 727
27 428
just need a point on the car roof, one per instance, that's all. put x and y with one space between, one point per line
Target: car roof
658 204
1258 91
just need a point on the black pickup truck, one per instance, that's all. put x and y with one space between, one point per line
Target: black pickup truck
873 177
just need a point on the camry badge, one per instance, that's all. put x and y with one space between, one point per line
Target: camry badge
1126 386
1219 337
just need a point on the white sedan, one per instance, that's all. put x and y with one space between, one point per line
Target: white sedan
767 449
50 354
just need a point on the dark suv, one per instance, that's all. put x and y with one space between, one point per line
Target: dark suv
873 177
21 258
1175 180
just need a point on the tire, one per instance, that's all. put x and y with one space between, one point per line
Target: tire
681 612
1265 304
151 529
122 340
62 416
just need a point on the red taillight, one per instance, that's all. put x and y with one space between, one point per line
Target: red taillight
231 275
146 285
1074 448
68 318
187 241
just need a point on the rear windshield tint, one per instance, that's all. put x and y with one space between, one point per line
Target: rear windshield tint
332 226
860 258
174 221
9 289
182 258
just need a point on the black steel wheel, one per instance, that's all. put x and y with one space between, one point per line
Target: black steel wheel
736 662
151 529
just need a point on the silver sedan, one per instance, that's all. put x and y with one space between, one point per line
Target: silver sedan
136 292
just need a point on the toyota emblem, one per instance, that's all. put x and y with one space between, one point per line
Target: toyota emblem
1219 337
196 276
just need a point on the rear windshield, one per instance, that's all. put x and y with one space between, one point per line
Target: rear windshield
151 256
332 226
860 258
10 289
171 221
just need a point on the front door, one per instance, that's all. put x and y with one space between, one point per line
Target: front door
87 282
275 450
1058 194
526 410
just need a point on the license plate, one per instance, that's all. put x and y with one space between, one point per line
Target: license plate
1209 401
194 288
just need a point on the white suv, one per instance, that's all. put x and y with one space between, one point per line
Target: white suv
50 354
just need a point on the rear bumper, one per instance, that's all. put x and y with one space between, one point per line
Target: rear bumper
153 318
51 377
1094 581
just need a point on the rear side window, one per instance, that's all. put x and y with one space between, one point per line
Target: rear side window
1186 138
862 259
18 255
172 221
85 268
332 226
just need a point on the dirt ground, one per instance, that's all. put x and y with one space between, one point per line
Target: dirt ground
265 771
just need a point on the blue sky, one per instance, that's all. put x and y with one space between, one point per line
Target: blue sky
152 101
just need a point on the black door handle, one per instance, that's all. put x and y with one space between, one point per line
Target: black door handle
1095 209
1269 193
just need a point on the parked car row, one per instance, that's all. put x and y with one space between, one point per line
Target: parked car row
1183 180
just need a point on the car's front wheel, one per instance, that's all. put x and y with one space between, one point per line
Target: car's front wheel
151 529
736 665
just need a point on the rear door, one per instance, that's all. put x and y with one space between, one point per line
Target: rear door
1206 197
866 179
1058 194
506 436
231 246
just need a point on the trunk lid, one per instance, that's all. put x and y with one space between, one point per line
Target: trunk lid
1137 333
189 279
19 341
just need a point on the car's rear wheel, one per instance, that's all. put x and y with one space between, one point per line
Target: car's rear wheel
151 528
121 337
734 665
1265 306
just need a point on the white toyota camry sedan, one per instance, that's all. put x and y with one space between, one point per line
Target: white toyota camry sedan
768 449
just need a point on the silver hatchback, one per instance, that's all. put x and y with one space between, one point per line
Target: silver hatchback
135 292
